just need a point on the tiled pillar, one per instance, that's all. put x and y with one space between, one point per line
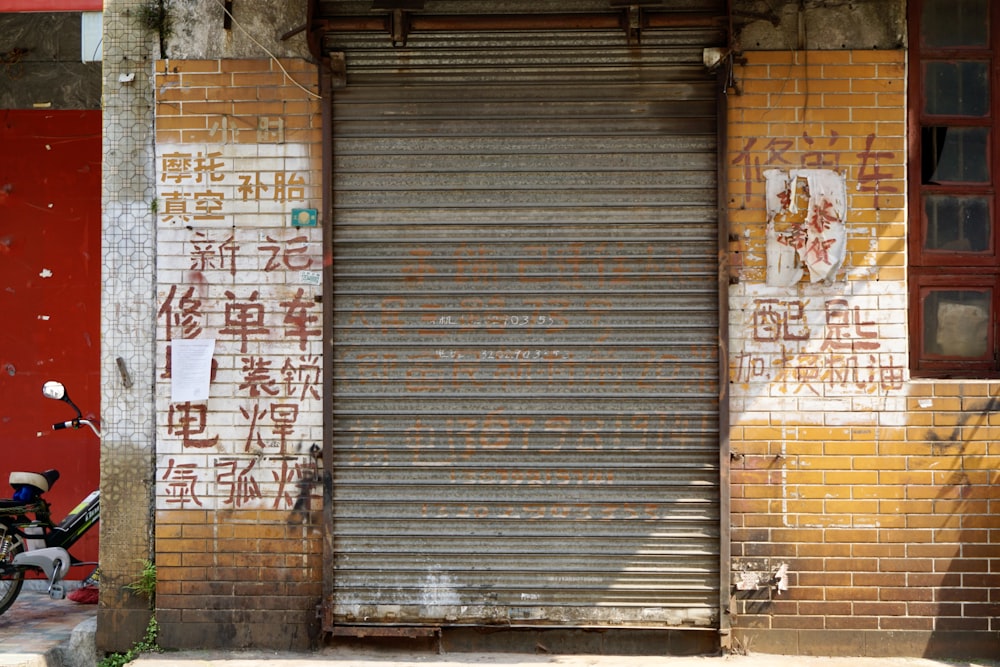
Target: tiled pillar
127 323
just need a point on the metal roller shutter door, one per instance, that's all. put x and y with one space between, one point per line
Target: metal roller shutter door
525 332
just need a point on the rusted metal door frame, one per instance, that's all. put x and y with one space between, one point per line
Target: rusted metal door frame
725 458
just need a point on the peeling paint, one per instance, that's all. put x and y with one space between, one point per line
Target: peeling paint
439 589
813 239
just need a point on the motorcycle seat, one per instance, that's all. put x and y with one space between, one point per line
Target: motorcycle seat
28 485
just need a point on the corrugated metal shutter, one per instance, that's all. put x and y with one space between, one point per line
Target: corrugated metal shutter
526 326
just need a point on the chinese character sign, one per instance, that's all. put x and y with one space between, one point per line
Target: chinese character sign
234 270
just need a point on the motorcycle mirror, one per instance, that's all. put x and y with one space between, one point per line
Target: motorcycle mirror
56 390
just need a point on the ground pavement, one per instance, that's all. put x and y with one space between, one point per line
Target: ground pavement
40 632
341 658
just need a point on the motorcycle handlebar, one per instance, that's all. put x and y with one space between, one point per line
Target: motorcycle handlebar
77 423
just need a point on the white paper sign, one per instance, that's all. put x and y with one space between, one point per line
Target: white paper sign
190 368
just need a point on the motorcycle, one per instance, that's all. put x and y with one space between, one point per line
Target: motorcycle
39 544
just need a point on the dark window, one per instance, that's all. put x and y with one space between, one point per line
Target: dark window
954 249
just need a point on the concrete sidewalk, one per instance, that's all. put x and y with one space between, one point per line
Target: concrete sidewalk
38 631
355 658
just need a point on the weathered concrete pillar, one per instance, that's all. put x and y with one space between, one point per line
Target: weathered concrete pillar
128 324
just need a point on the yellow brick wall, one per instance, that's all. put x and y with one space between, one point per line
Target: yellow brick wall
837 109
238 497
878 492
237 579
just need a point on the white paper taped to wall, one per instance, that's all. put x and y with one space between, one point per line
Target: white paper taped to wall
190 368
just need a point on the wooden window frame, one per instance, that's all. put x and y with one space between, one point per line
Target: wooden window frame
949 269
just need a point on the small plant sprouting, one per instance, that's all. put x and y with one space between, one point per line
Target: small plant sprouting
145 585
154 17
146 645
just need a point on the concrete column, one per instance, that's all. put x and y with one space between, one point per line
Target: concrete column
128 318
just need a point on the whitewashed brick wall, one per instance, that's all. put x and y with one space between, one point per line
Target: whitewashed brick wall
234 268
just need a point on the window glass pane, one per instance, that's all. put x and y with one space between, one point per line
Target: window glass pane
956 323
961 224
955 155
947 23
957 88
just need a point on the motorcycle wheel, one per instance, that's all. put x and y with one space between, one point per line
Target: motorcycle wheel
11 579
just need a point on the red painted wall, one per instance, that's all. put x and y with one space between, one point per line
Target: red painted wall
50 261
51 6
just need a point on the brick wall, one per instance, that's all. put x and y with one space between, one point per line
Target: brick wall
875 491
872 490
238 526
